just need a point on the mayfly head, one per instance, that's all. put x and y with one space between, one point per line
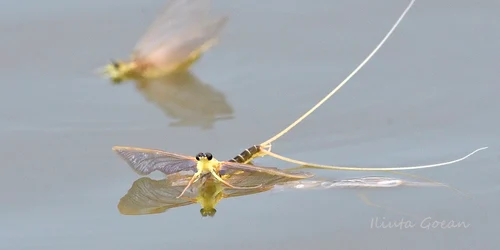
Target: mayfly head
208 212
118 71
204 156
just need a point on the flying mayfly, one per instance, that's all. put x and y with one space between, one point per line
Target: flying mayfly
174 41
145 161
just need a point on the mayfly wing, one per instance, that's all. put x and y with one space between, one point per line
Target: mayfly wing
225 166
252 178
183 28
147 196
230 193
174 14
145 161
363 182
187 47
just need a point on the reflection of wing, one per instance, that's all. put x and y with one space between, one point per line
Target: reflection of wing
377 182
263 170
183 96
367 182
147 196
184 26
231 193
244 179
145 161
362 182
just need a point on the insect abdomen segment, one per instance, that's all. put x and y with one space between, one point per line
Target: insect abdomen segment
246 155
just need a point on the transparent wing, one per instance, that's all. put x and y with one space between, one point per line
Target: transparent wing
182 28
145 161
249 178
225 166
187 99
363 182
230 193
176 14
147 196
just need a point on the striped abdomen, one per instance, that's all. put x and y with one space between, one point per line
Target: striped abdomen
246 155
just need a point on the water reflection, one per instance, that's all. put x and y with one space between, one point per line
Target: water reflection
184 97
148 196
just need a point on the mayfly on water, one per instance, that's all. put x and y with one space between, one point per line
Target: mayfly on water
145 161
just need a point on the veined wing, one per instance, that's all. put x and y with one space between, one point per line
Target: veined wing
231 193
147 196
145 161
249 178
363 182
184 26
175 14
266 170
184 49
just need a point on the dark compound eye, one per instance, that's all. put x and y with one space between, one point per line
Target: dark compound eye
200 155
115 64
209 156
208 212
117 80
203 212
212 212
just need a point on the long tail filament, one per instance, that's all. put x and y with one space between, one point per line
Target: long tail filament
314 165
284 131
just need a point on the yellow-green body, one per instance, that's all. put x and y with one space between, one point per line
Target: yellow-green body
173 42
209 195
122 71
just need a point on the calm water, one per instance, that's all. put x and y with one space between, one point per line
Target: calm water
429 95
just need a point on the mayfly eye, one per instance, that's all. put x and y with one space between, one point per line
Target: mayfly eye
209 156
200 155
203 213
212 212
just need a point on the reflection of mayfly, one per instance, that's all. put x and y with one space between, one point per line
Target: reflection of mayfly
185 98
145 161
175 40
148 196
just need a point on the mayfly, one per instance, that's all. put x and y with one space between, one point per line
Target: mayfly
174 41
145 161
